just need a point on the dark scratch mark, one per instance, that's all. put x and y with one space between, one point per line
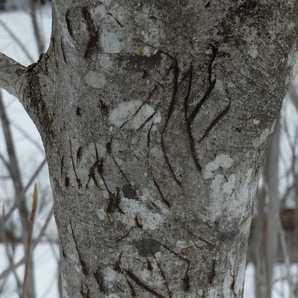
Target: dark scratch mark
132 190
94 34
66 182
117 266
132 289
151 171
114 204
232 286
78 111
109 146
164 277
85 291
142 284
100 280
186 284
138 224
96 167
62 166
79 154
68 24
189 120
216 120
73 166
83 264
129 192
198 237
104 109
175 69
214 53
123 237
212 273
149 266
115 19
92 44
202 101
147 120
63 52
185 280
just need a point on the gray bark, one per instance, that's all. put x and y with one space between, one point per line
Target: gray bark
155 117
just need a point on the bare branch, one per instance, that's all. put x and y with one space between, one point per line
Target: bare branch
17 40
28 251
21 197
12 75
6 272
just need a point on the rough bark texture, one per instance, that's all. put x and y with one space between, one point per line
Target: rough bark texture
155 116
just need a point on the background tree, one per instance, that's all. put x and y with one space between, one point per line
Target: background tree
155 118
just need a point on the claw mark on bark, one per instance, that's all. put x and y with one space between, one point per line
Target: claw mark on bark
190 118
115 19
96 167
142 284
175 69
114 204
120 239
149 266
78 111
132 289
214 53
216 120
79 154
62 166
147 120
94 34
109 146
198 237
104 109
68 24
63 52
117 266
164 277
66 182
82 262
73 166
132 190
212 273
100 280
185 280
85 291
138 224
151 171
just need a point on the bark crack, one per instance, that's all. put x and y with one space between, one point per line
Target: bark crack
84 265
151 170
73 166
140 283
175 69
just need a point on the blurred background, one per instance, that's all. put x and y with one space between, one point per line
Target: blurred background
272 256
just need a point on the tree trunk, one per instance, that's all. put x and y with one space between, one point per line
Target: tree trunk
155 117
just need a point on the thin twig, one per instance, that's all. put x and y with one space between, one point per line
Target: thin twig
28 251
6 272
20 197
17 40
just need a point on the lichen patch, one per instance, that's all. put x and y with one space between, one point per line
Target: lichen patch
222 160
95 79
